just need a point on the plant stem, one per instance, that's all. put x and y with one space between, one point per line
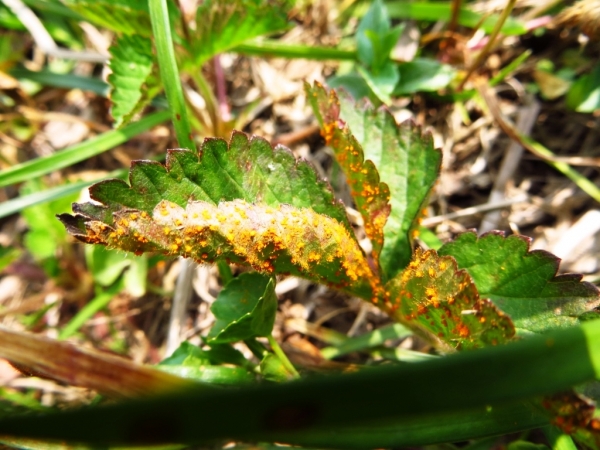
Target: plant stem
224 272
282 356
256 348
159 15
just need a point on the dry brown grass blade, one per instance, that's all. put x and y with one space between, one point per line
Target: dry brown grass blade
62 361
506 126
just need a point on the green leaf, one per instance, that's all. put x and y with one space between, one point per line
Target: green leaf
272 369
244 309
372 28
8 255
134 81
408 167
370 195
436 299
353 83
423 74
210 374
189 361
458 386
122 16
522 283
43 237
584 95
220 26
383 82
106 265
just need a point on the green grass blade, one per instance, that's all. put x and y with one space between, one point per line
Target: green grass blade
86 313
62 80
79 152
368 340
270 48
163 40
17 204
434 11
462 382
424 430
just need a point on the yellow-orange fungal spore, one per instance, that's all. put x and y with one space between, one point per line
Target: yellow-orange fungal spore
133 216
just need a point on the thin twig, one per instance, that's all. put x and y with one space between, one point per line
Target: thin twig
432 221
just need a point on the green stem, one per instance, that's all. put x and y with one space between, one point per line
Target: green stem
256 348
282 356
225 272
282 50
159 15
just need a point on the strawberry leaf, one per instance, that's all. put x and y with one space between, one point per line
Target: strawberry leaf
370 195
408 164
441 302
244 309
284 240
248 169
408 167
123 16
134 81
220 26
521 282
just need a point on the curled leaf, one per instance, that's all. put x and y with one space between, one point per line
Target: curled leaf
370 195
441 302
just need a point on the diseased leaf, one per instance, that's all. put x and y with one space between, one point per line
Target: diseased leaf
248 169
220 26
64 362
408 167
134 80
283 240
244 309
441 302
408 164
370 195
522 283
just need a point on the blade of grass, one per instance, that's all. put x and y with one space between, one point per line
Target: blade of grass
62 80
374 338
270 48
510 68
539 150
80 152
86 313
534 366
159 15
434 11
